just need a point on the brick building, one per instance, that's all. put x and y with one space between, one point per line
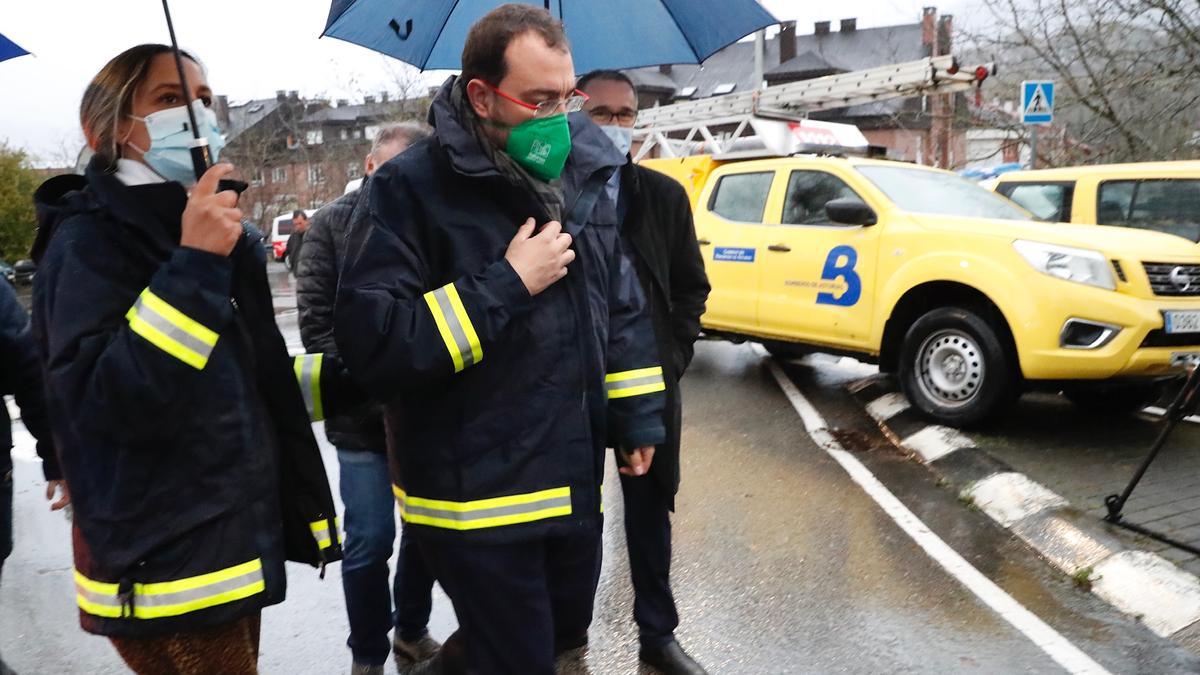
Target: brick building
300 153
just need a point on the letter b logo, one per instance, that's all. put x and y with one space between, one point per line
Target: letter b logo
840 265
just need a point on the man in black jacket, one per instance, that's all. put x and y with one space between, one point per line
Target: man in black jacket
658 233
490 303
362 454
295 242
21 377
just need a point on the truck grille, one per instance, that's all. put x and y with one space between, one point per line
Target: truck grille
1170 279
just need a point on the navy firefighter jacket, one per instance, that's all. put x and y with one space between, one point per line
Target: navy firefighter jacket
182 432
500 403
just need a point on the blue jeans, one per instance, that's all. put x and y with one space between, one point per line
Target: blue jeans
370 533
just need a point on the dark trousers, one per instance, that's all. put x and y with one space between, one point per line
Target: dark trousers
648 538
370 536
518 603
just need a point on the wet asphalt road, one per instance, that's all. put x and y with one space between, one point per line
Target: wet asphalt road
782 564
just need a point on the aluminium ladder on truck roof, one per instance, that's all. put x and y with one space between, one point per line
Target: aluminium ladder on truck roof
698 120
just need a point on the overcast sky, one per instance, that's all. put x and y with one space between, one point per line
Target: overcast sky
251 49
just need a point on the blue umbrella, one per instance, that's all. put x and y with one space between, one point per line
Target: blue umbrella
429 34
10 49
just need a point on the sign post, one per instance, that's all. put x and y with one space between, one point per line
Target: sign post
1037 107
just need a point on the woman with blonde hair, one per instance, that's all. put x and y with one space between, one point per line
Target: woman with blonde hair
183 435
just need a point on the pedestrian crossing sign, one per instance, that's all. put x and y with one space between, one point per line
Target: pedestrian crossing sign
1037 102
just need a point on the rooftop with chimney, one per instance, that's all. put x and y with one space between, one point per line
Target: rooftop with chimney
792 57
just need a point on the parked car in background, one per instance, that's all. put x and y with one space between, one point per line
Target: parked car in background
1159 196
281 229
23 272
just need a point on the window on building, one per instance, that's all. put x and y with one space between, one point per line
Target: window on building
1171 206
256 178
358 133
807 194
1050 202
722 89
316 173
279 174
742 197
353 170
345 134
687 92
292 143
372 131
314 136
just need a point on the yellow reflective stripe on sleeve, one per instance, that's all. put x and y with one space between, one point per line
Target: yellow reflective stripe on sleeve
320 531
454 325
171 330
170 598
308 375
484 513
634 382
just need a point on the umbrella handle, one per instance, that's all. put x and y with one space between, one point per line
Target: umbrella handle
201 157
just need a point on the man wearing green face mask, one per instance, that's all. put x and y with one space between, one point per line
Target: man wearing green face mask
487 299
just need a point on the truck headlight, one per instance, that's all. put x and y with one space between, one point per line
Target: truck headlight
1071 264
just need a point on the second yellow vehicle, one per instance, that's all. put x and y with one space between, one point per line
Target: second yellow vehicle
955 289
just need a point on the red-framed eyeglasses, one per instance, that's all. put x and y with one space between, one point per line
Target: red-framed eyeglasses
546 108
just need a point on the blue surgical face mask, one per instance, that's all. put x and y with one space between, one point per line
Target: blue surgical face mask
622 137
171 140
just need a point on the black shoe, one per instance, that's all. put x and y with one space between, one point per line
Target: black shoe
671 660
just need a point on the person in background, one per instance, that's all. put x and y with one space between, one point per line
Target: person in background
658 233
21 378
490 305
181 428
362 455
295 242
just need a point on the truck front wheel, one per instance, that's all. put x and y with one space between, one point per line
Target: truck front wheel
955 369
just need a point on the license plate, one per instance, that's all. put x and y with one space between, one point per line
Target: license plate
1185 359
1182 321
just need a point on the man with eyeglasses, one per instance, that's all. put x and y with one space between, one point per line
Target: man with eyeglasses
486 300
658 234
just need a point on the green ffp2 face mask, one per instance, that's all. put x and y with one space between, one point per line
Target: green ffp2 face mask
541 145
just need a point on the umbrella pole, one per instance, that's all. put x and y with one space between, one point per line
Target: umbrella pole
201 158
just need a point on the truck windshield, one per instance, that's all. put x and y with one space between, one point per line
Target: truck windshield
921 191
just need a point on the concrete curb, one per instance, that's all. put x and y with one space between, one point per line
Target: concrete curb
1144 585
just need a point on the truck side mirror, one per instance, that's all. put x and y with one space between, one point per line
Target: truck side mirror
848 211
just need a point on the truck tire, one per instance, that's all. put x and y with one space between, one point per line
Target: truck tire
955 369
1113 399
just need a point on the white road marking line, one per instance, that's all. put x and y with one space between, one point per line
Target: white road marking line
935 441
1009 497
1143 584
1039 632
887 406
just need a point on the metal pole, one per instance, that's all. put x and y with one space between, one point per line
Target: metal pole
760 48
1033 147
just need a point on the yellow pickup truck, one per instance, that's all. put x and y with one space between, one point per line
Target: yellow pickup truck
955 289
1159 196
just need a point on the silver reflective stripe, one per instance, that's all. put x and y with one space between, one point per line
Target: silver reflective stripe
99 598
142 599
160 323
206 591
456 329
635 382
499 511
307 362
